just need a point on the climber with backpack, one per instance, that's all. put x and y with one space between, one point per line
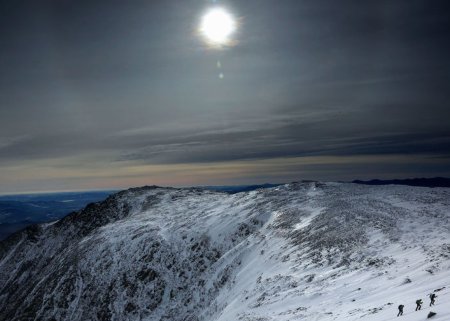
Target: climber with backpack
418 304
433 297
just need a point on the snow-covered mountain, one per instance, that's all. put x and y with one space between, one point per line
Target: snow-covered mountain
302 251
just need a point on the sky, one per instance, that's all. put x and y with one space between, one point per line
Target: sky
112 94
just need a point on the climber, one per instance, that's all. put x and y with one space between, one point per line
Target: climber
400 310
418 304
433 297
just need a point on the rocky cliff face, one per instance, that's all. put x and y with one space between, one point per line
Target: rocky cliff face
305 251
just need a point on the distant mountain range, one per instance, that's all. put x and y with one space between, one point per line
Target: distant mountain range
425 182
19 211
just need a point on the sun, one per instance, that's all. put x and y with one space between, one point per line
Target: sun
217 25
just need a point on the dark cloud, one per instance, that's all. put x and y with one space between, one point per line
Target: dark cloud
132 82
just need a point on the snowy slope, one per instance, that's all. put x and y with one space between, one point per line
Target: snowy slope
302 251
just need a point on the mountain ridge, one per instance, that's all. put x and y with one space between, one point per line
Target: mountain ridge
422 182
284 253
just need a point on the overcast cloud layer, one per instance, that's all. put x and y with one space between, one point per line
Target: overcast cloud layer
106 94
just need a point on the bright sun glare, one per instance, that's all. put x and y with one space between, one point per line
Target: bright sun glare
217 25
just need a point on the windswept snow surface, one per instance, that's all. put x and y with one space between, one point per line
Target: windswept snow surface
302 251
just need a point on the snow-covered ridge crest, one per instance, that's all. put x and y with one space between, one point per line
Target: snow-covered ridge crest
302 251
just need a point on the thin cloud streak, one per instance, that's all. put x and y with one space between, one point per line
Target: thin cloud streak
43 176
